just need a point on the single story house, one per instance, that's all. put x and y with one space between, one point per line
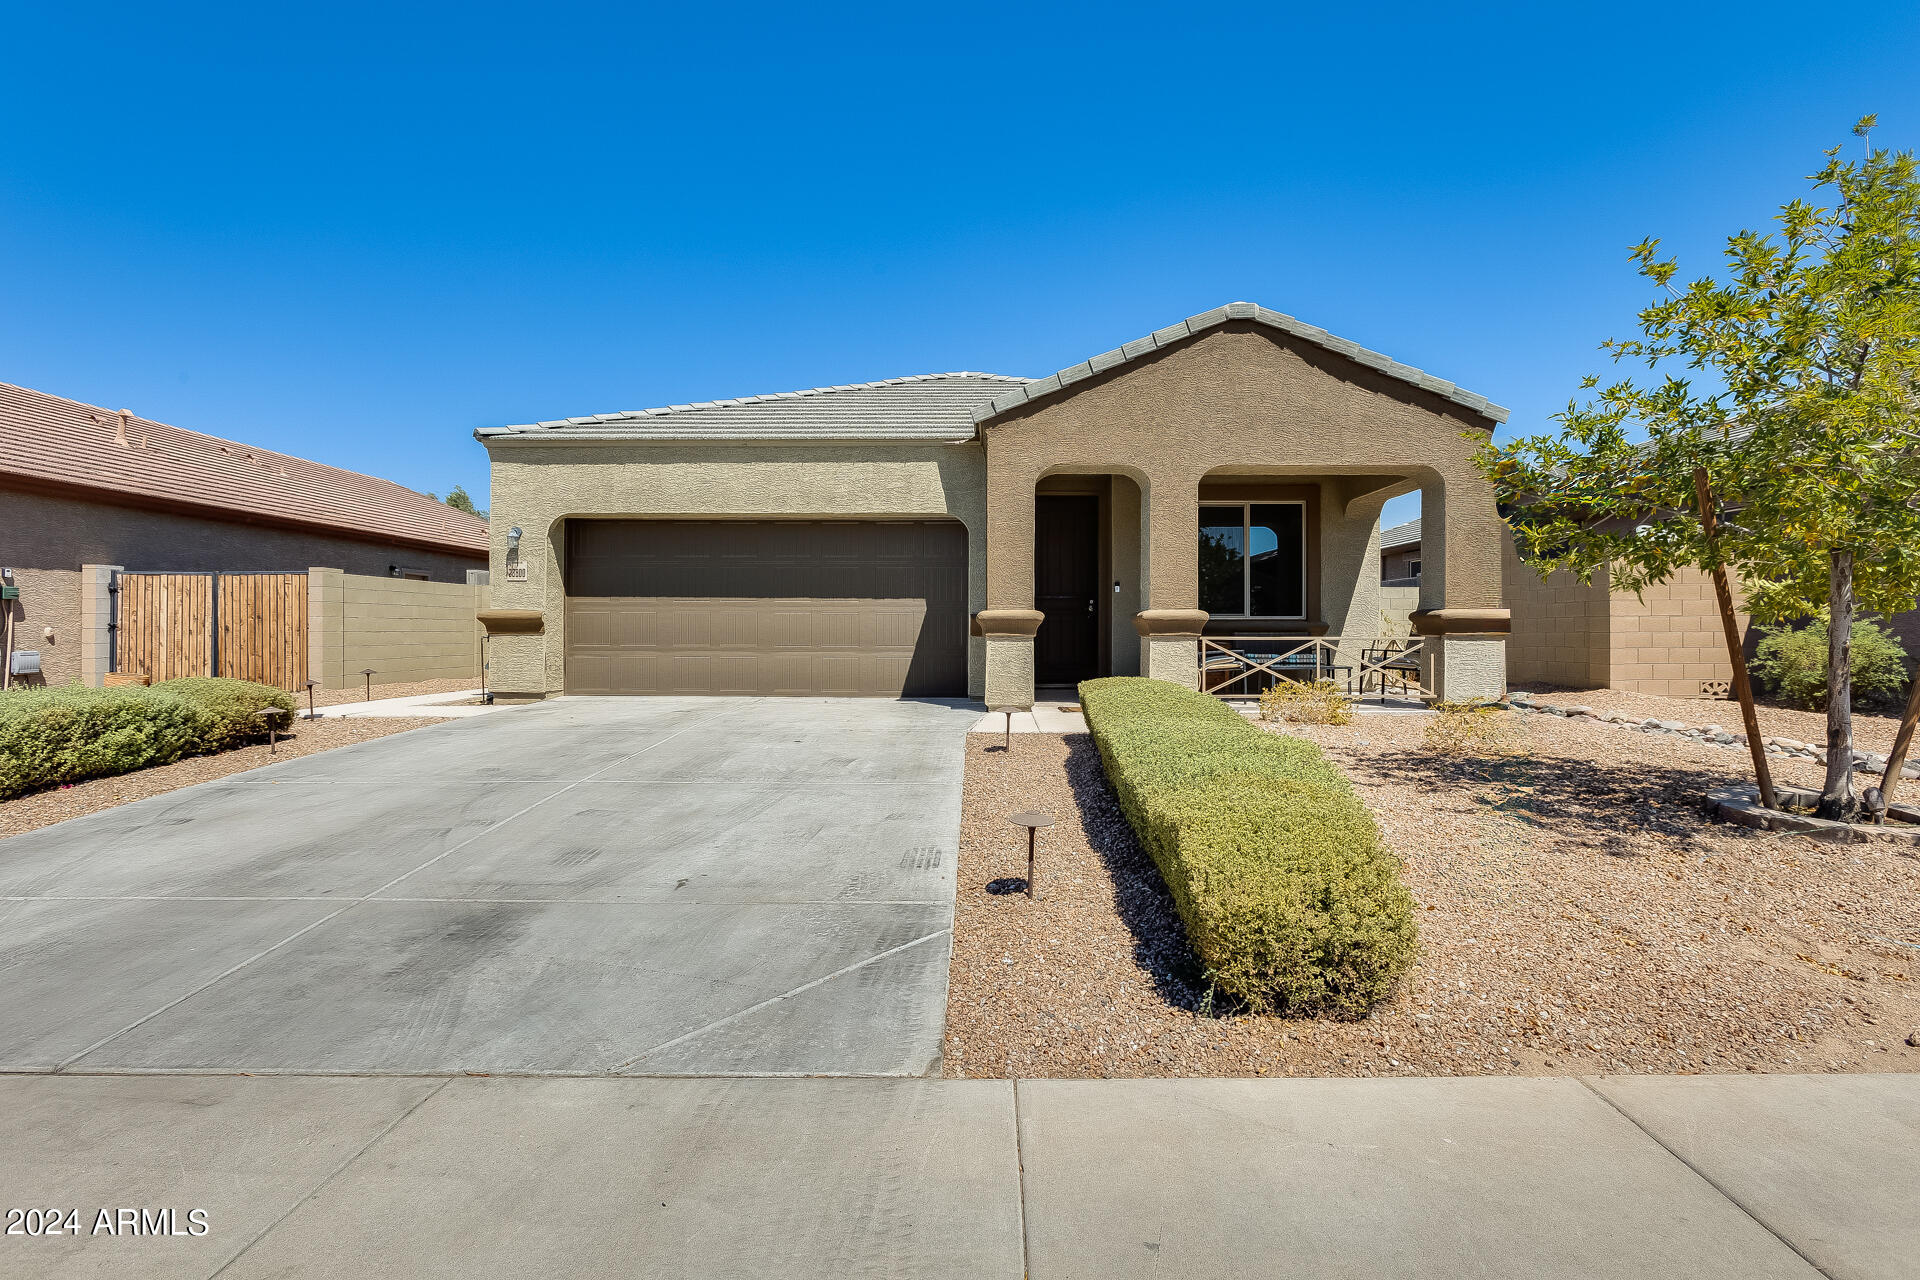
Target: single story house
1400 555
82 486
984 535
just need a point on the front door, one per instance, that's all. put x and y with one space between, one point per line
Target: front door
1066 588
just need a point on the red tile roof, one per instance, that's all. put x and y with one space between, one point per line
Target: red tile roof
49 440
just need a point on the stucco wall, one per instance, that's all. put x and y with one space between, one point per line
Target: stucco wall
405 630
48 598
1244 399
537 487
45 538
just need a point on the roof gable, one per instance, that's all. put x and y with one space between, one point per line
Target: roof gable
1194 326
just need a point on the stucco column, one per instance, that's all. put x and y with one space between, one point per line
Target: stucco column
327 627
1009 641
1171 623
1462 617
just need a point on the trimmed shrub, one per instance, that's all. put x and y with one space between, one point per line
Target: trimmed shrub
235 705
50 736
1792 665
1288 895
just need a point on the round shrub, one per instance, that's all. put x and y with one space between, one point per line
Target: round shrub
1792 665
235 705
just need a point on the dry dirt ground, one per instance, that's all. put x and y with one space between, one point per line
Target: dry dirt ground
57 804
1577 914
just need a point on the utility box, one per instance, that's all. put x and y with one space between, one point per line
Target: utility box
25 662
9 593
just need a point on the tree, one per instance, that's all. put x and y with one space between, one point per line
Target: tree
459 501
1804 432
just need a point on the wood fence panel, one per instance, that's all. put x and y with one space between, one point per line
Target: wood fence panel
165 625
263 628
250 626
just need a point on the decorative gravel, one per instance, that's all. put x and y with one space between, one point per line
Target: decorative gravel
1578 914
57 804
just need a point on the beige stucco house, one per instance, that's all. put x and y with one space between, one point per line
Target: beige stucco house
1213 485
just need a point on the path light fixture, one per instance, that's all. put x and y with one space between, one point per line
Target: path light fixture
272 716
311 713
1032 820
368 673
1008 713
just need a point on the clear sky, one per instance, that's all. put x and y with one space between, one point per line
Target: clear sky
357 232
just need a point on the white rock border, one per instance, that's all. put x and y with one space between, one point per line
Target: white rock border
1713 734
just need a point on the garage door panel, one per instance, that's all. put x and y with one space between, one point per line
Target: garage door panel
761 607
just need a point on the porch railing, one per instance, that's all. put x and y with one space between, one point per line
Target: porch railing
1246 666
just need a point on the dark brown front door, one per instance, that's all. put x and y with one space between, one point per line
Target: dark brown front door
1066 588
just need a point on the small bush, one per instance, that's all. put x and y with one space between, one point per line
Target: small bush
235 705
1298 702
1287 892
1471 729
1792 665
50 736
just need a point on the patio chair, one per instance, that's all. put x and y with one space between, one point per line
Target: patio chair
1390 660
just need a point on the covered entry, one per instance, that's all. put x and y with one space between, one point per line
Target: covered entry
766 607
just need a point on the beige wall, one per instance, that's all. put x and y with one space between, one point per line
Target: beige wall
1244 399
48 598
539 486
1561 627
1669 639
1666 640
45 538
405 630
1396 609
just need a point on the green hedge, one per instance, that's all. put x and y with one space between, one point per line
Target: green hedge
65 734
1277 869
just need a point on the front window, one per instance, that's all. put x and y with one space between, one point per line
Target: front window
1253 559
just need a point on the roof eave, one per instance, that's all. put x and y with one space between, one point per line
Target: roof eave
516 437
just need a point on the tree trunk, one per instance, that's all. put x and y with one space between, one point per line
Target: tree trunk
1736 652
1897 758
1837 800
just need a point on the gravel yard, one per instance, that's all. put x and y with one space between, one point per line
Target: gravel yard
57 804
1872 731
1578 914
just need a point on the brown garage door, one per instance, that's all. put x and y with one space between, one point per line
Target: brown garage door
867 609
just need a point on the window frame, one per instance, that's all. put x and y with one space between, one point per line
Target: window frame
1246 556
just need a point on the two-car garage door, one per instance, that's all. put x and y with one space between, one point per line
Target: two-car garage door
840 608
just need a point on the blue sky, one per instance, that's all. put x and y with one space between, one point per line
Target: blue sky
358 232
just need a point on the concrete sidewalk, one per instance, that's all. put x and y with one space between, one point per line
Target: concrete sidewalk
1748 1176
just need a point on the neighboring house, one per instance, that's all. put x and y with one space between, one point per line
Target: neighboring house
83 486
979 534
1400 555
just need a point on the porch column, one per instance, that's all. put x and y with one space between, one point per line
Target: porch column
1009 635
1462 616
1009 622
1171 624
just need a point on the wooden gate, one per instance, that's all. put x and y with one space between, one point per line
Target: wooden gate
263 628
250 626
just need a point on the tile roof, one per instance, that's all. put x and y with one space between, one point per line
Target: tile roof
927 406
51 440
1180 332
1401 535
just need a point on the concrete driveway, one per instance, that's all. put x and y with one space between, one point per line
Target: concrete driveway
591 886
